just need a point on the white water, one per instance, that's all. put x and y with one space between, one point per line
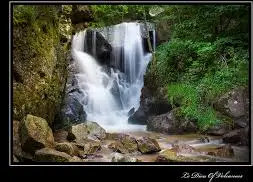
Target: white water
108 109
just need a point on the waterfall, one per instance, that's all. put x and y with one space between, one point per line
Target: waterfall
112 92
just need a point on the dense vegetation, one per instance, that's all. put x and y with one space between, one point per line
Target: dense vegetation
205 56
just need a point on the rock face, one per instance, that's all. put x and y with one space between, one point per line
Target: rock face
234 103
150 106
169 124
51 155
148 145
35 134
103 48
238 136
73 111
39 66
81 132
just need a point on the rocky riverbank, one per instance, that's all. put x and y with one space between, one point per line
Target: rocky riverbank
34 141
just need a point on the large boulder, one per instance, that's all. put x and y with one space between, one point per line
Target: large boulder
65 147
170 124
35 134
91 146
234 103
148 145
81 132
124 143
18 153
118 147
218 129
149 106
51 155
238 136
72 111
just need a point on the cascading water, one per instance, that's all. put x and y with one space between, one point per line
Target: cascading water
111 94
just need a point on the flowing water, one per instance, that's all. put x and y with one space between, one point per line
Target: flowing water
112 93
105 106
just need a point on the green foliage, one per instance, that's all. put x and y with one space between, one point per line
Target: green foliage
206 56
106 15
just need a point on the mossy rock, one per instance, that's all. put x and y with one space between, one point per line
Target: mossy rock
148 145
65 147
35 134
51 155
170 155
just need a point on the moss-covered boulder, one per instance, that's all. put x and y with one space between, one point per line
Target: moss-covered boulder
81 132
129 143
117 147
148 145
91 146
35 134
65 147
234 103
51 155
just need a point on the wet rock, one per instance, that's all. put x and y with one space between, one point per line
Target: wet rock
115 136
103 48
131 111
234 103
72 111
238 136
117 147
183 148
170 155
218 130
51 155
81 132
223 151
122 158
204 139
76 159
129 143
35 134
91 146
65 147
60 136
169 124
123 144
149 106
148 145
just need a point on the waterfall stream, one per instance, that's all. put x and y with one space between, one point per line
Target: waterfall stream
112 92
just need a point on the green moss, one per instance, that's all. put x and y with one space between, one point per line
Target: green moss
40 60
